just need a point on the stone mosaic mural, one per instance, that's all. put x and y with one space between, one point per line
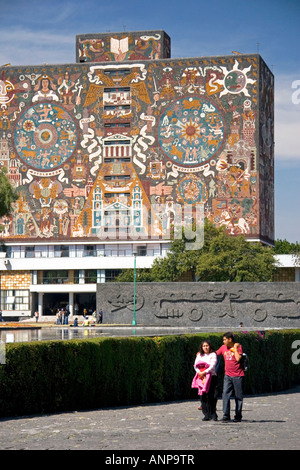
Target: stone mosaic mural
117 47
98 145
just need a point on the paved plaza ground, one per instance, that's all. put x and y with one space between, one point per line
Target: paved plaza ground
270 422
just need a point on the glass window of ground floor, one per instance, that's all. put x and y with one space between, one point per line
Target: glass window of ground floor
15 299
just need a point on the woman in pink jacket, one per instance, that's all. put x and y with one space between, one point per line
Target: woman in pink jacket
205 380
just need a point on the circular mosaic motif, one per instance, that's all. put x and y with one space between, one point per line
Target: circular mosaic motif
45 136
191 190
191 131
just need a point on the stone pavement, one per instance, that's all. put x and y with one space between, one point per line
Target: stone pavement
270 422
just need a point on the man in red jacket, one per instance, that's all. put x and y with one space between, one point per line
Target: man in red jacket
234 375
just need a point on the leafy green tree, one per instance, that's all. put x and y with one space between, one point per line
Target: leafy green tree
142 275
168 268
235 259
222 258
7 193
284 247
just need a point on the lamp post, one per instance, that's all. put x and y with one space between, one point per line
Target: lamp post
134 282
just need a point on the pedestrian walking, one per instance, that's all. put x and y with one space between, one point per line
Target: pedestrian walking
233 377
100 316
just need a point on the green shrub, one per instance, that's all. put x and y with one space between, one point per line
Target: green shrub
53 376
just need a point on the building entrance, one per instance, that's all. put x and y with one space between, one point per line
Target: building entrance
54 301
84 303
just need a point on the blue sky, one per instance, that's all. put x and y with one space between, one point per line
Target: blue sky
37 31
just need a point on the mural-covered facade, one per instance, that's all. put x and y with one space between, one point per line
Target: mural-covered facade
127 131
103 152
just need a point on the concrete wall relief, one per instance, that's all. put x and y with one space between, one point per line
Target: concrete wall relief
206 304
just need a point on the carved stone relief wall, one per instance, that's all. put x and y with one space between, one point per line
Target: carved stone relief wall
201 304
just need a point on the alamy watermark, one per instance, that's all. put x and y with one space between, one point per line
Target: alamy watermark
296 354
166 221
296 93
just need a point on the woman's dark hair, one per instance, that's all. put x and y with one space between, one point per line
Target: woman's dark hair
211 348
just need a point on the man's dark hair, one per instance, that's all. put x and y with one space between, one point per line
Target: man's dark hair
229 335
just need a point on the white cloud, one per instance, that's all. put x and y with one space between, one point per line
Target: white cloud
25 47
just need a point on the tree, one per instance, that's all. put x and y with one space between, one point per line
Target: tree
142 275
283 247
225 258
222 258
8 194
235 259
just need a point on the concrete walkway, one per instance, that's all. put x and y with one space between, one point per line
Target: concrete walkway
270 422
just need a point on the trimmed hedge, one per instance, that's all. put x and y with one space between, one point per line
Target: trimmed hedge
55 376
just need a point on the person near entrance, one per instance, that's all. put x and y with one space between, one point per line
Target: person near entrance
100 316
234 376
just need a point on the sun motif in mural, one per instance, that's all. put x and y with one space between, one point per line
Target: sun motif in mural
7 91
191 131
28 125
235 80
